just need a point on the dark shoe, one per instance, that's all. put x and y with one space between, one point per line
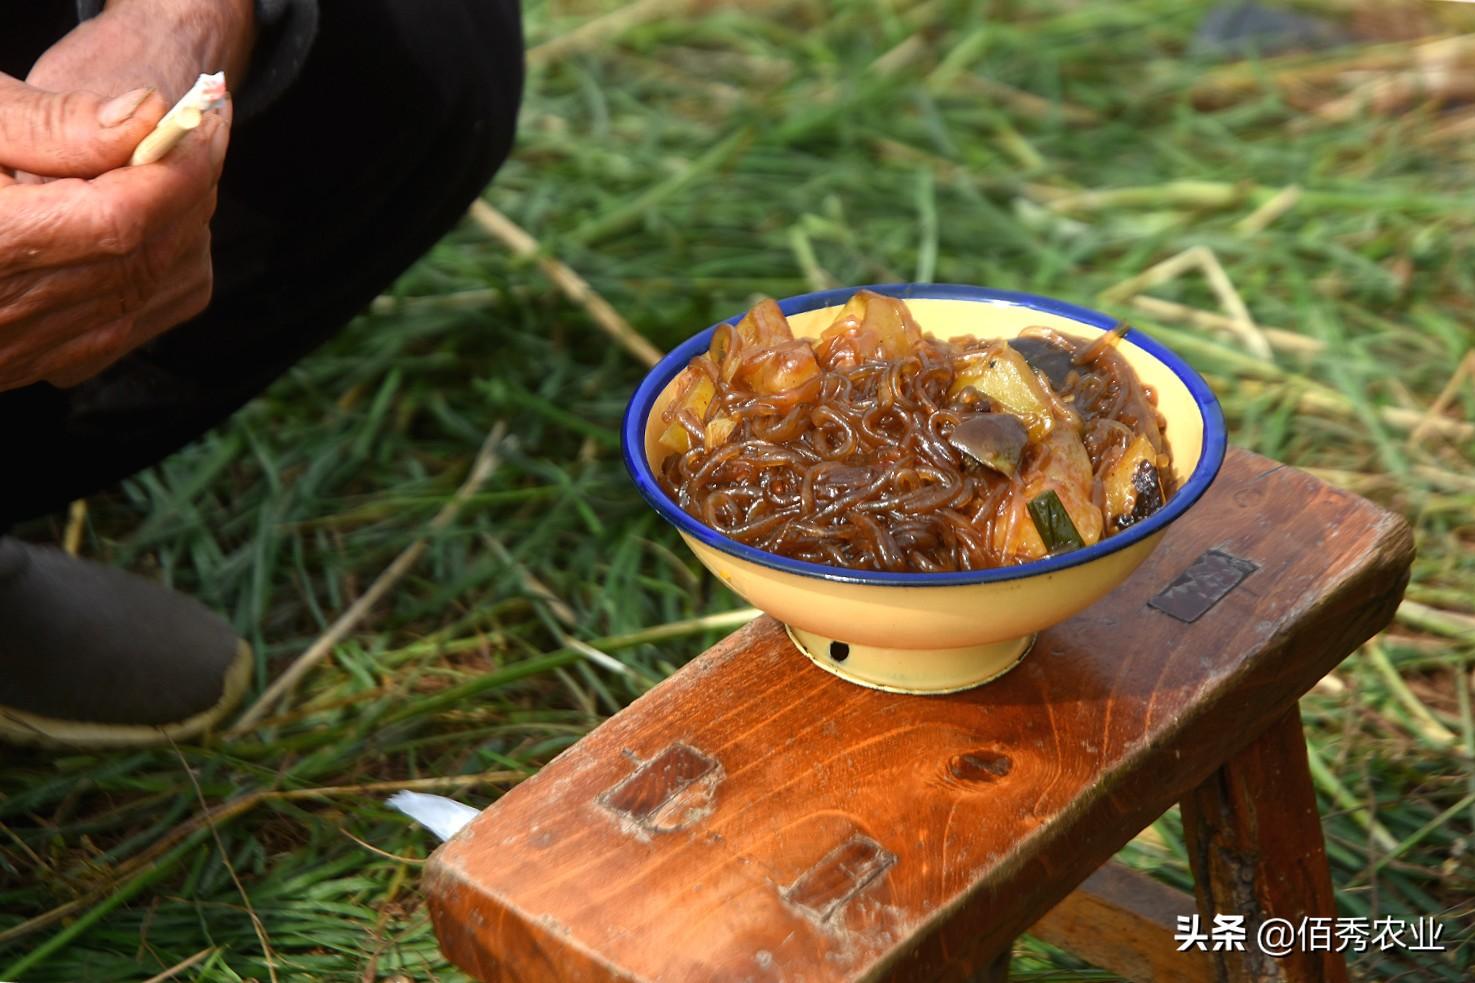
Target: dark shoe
92 656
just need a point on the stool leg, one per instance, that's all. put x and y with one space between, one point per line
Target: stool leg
1255 844
998 970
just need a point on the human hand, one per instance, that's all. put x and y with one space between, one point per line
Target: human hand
161 44
91 269
70 134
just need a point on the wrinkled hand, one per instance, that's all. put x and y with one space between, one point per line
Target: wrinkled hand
97 258
91 269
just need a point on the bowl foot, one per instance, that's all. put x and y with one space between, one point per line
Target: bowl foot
912 670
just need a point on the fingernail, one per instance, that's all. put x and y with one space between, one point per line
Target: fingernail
121 109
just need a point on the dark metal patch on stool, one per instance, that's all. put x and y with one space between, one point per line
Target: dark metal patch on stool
1204 584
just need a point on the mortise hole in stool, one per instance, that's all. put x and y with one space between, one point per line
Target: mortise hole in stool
839 651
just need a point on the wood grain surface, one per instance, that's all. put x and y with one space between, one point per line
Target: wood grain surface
756 818
1256 848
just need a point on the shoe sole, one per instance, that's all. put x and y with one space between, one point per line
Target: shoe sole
33 730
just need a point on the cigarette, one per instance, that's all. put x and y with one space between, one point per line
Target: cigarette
206 94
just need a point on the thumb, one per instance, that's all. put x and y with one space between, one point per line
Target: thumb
71 134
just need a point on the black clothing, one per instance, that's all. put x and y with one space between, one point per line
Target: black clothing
395 122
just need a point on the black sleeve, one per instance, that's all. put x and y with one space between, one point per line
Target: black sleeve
285 30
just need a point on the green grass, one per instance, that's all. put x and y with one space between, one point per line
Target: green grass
683 168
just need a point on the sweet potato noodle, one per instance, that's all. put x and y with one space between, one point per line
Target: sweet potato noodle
875 447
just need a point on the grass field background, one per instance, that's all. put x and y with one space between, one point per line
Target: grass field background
685 164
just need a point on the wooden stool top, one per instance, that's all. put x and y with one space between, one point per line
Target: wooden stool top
755 817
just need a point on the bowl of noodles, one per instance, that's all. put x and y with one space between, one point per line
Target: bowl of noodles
918 478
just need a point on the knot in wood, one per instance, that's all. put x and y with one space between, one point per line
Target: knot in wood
981 765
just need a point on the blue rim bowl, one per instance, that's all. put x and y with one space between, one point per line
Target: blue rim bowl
632 436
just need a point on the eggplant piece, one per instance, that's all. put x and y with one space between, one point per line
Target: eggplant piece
1052 361
1148 484
1053 523
991 440
1133 485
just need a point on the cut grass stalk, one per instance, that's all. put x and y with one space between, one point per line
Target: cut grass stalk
519 397
926 228
640 208
1172 194
97 909
1239 320
1429 727
256 924
573 286
1269 210
196 829
1450 624
1330 784
481 468
1279 338
815 275
1311 396
181 966
726 621
1464 372
1215 195
1464 685
600 31
1415 838
1024 102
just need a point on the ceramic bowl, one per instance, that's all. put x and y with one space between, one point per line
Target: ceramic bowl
937 632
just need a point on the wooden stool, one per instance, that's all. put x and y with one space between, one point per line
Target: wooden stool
756 818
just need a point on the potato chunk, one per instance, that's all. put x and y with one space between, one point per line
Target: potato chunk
1002 374
871 327
694 394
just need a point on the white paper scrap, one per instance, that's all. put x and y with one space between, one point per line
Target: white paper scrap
442 816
